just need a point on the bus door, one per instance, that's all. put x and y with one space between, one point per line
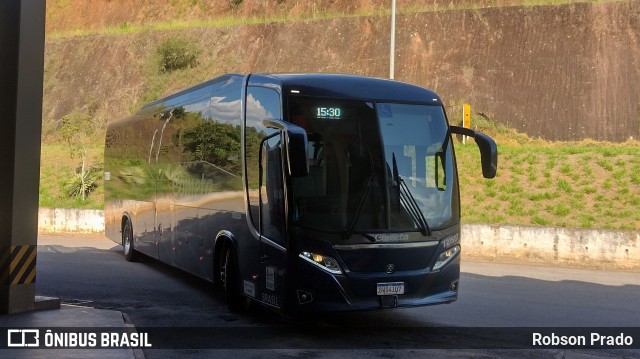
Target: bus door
272 220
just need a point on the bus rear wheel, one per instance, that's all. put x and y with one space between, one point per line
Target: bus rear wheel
129 251
230 280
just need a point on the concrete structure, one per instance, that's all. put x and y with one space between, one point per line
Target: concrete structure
21 73
56 220
593 248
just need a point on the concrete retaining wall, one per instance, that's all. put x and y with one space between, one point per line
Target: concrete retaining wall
576 247
57 220
561 246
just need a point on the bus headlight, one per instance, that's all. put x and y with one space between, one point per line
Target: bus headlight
325 262
446 256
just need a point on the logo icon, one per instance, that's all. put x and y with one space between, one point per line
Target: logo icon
390 269
21 338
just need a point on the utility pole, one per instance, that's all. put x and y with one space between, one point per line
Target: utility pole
392 50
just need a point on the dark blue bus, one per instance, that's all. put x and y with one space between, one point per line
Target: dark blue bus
303 192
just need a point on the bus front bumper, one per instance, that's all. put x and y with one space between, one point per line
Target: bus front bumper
313 289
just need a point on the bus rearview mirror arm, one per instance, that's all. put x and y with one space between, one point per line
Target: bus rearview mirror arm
488 149
296 145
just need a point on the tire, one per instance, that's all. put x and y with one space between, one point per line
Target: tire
129 251
230 280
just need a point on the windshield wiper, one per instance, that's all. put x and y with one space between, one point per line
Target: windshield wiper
366 235
409 201
363 198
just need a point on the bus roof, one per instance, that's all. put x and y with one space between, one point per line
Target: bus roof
347 86
321 85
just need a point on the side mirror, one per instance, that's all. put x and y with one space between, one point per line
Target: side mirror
296 146
488 149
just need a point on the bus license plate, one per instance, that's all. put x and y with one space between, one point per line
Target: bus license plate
393 288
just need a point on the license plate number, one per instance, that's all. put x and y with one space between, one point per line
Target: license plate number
394 288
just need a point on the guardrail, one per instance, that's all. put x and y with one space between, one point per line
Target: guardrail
592 248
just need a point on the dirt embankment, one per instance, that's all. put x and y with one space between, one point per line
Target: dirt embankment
558 72
71 15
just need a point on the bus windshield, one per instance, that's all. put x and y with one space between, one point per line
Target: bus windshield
374 167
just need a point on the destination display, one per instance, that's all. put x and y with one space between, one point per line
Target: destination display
334 113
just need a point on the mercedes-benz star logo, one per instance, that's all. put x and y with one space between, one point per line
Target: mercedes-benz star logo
390 268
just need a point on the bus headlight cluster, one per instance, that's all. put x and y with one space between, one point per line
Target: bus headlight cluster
446 256
325 262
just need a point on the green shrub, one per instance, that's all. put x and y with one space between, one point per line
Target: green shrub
177 54
82 184
565 186
562 210
539 220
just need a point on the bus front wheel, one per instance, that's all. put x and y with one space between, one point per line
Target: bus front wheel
230 279
129 251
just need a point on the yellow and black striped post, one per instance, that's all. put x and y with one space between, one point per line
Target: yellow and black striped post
21 73
17 265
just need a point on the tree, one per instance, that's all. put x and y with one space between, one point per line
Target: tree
76 130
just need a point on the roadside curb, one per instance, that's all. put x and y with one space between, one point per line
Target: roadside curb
137 352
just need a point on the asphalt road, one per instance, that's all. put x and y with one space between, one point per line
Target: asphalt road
92 272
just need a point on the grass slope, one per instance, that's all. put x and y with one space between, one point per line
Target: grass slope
584 184
182 14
